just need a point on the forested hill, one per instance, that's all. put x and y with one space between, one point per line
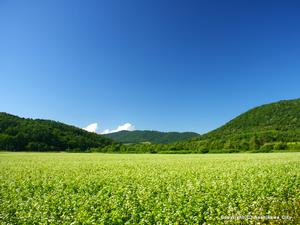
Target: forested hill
278 116
267 127
20 134
156 137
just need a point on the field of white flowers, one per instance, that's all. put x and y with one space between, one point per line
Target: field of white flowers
65 188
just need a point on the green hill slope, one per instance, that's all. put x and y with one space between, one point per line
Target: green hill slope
156 137
19 134
267 127
279 116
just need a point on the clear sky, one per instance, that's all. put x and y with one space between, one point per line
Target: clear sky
159 65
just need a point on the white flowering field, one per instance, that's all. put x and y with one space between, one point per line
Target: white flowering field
65 188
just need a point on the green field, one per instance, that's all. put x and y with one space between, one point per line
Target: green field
65 188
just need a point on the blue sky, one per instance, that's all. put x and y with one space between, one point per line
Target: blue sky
159 65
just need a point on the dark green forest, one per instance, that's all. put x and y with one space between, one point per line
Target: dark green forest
274 126
270 127
19 134
155 137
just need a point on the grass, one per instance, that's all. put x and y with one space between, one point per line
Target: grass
67 188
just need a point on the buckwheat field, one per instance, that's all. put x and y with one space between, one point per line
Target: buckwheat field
65 188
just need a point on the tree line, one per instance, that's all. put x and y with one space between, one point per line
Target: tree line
18 134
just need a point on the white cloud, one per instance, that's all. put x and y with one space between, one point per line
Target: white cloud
126 126
92 127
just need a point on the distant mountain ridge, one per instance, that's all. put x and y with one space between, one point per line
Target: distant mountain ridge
155 137
20 134
273 126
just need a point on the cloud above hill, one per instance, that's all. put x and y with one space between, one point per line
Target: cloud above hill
91 128
126 126
94 127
